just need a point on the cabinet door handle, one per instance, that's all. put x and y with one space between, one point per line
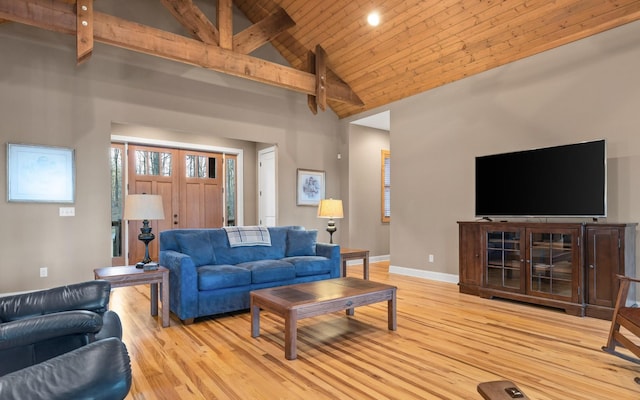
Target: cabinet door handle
591 266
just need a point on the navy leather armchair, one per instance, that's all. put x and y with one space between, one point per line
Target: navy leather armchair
41 325
99 371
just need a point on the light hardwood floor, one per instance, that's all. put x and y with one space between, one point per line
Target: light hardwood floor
446 343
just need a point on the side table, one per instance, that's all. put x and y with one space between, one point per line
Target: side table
132 276
355 254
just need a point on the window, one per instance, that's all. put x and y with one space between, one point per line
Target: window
230 189
117 201
200 167
153 163
385 167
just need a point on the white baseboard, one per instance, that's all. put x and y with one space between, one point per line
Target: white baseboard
420 273
372 259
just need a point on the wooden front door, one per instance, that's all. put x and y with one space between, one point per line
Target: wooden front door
190 184
200 190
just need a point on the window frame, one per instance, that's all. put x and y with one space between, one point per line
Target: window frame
385 188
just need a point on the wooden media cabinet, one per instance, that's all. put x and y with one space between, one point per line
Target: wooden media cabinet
571 266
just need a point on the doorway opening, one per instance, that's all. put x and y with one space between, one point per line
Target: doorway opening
200 187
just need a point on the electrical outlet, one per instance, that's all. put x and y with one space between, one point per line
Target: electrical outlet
67 211
44 272
431 258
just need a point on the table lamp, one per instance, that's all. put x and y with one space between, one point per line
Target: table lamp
143 207
330 208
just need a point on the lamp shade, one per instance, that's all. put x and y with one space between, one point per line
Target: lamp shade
143 206
330 208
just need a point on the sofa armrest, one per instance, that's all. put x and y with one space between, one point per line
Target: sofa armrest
100 370
37 329
90 295
183 283
332 252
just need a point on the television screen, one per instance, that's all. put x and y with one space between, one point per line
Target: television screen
560 181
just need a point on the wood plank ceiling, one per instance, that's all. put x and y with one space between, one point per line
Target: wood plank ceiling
335 57
423 44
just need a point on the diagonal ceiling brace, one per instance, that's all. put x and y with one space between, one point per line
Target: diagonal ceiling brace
262 32
193 19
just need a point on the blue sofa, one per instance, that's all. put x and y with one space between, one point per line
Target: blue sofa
208 276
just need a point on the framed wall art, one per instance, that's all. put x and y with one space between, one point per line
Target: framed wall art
310 187
42 174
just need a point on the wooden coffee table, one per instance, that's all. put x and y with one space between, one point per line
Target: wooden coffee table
305 300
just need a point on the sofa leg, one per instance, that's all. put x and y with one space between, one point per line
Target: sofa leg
187 321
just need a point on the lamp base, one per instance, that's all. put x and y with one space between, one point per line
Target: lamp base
145 237
331 228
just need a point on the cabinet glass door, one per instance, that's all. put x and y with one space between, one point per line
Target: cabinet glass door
503 264
551 263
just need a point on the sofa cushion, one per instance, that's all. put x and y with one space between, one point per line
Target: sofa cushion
301 243
198 246
310 265
263 271
222 276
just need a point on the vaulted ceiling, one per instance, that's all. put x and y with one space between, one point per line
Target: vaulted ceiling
334 56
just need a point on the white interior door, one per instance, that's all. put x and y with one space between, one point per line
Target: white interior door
267 187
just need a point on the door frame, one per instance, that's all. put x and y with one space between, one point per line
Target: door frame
274 195
239 153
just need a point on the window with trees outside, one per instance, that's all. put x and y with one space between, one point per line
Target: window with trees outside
385 202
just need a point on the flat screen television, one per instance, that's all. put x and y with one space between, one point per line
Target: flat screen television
560 181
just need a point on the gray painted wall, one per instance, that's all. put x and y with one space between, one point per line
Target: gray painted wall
366 230
46 99
582 91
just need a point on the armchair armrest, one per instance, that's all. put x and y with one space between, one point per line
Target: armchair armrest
628 278
111 326
90 295
100 370
37 329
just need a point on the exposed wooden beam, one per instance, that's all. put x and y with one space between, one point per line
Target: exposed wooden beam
262 32
311 68
84 27
55 15
193 20
225 23
321 77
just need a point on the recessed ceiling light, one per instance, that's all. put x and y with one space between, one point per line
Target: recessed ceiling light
373 18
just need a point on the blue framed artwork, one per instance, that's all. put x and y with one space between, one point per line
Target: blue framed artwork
310 187
42 174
